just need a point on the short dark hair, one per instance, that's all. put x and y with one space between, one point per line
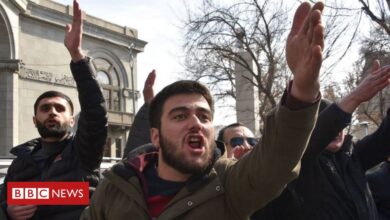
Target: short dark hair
221 132
51 94
176 88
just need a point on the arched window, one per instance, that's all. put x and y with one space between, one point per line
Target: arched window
107 75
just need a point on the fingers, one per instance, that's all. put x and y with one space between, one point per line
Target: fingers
76 11
318 36
384 75
148 91
300 18
312 20
149 82
77 15
375 66
318 46
374 82
315 27
68 28
319 6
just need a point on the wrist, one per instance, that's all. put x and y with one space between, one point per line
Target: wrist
349 103
77 56
309 95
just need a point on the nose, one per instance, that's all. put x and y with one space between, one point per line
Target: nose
53 111
194 123
246 144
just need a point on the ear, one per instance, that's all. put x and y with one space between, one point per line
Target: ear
71 122
35 121
155 137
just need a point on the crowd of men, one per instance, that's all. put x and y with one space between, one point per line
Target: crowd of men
175 166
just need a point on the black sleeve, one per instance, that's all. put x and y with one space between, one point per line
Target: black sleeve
375 148
330 122
92 125
140 130
379 182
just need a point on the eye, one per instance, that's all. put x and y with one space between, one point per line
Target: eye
179 117
44 108
60 108
204 117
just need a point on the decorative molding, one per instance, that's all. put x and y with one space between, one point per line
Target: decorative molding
128 93
9 66
48 77
65 80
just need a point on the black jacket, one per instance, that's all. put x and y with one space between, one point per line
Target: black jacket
81 157
333 185
379 181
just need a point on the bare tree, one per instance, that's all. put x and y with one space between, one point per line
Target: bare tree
220 37
376 46
223 36
379 12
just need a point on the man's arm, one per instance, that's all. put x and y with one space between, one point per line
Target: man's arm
375 147
140 130
92 125
260 176
336 117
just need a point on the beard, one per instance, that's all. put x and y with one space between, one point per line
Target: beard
57 131
172 155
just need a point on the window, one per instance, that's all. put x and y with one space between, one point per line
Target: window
107 148
107 75
118 147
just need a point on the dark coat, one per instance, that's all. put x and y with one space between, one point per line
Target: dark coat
379 181
140 130
80 159
333 185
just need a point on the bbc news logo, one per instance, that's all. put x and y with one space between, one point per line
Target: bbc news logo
48 193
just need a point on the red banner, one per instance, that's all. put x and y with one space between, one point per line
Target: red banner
48 193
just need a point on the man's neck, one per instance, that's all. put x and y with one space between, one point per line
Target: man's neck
167 172
54 139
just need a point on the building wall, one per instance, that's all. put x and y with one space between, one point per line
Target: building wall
34 59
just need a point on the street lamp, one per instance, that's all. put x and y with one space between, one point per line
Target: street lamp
131 62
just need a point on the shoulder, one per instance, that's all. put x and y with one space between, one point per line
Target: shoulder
222 165
122 170
25 148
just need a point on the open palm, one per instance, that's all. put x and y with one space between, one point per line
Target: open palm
73 34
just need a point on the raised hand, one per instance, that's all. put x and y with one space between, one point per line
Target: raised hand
374 82
73 34
304 48
148 87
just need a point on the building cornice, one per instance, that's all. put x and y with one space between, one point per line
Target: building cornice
20 4
59 15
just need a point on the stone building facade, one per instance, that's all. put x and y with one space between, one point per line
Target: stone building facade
33 59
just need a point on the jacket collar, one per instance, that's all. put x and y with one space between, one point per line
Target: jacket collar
138 159
26 149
